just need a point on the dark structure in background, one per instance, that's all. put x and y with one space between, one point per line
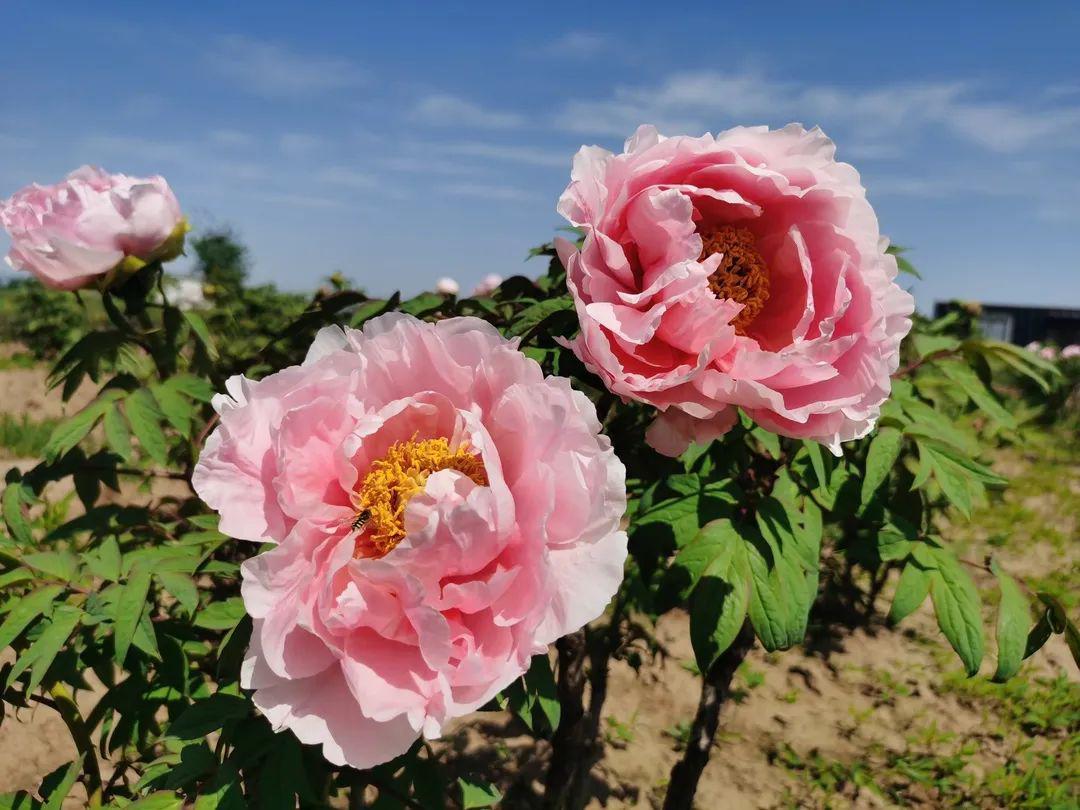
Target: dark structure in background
1021 325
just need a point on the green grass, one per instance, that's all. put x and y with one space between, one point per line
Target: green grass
23 437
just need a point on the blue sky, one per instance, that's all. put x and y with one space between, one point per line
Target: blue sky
399 144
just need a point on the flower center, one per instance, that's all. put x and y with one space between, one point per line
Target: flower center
392 480
741 275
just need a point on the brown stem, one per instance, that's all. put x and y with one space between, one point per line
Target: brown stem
568 746
715 689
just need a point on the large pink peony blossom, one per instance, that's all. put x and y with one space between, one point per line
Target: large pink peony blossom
742 270
76 232
442 512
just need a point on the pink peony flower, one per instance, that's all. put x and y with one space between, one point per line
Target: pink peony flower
79 230
742 270
1033 347
488 284
447 286
1070 351
1048 353
442 512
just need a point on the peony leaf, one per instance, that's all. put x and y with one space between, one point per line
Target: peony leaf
1014 616
884 450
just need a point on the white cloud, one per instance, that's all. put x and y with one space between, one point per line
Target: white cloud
443 109
269 69
487 191
878 120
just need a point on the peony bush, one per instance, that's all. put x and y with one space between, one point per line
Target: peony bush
300 554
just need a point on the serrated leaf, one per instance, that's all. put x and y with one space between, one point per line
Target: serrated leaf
478 794
145 420
956 603
117 435
129 610
880 458
26 609
1013 619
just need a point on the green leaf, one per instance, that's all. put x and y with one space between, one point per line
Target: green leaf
1072 639
159 800
956 603
952 479
478 794
104 561
19 801
224 793
145 419
49 644
540 683
926 345
16 495
209 714
25 610
129 610
1039 635
965 376
911 591
191 386
176 408
1013 618
533 316
769 609
425 302
181 587
70 432
718 607
880 458
770 441
117 435
198 326
59 564
221 615
67 782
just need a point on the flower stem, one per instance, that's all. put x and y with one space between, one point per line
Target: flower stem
715 689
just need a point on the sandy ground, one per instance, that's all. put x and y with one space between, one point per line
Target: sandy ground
871 688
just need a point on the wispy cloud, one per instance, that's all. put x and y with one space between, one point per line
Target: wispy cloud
577 45
878 119
443 109
527 155
270 69
299 144
346 177
230 138
487 191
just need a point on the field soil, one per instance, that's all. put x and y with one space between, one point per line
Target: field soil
863 715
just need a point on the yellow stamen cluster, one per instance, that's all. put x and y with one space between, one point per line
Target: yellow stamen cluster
392 480
742 275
